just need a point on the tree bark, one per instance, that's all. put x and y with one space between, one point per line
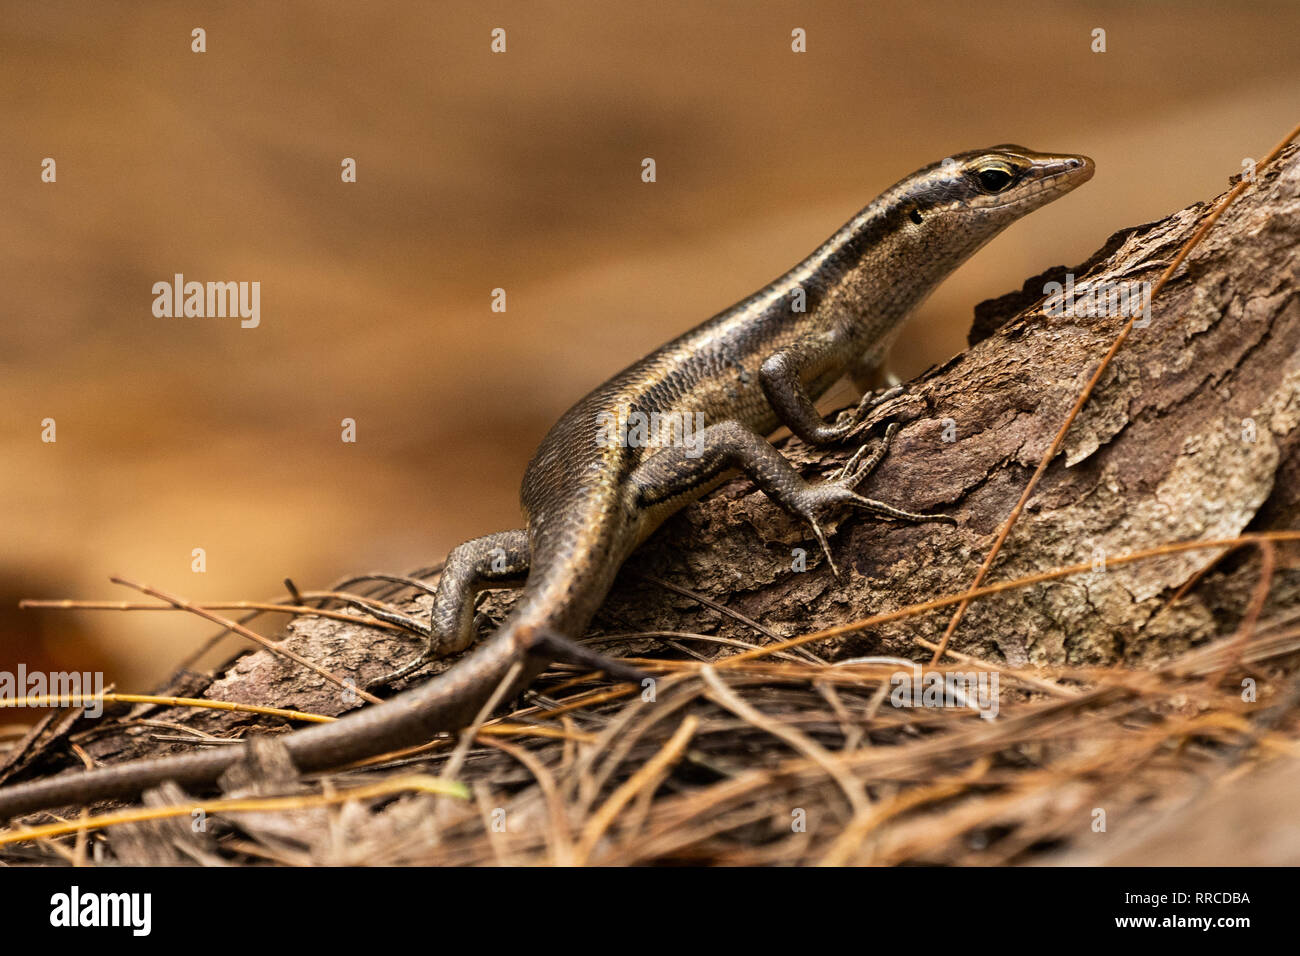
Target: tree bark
1191 433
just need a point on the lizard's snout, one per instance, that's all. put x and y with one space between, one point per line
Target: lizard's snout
1081 167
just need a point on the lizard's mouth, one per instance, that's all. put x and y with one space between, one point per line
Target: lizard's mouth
1066 171
1078 169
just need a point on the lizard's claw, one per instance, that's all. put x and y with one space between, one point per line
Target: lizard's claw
897 514
389 616
408 624
826 548
850 421
817 500
849 468
410 667
431 647
839 492
855 469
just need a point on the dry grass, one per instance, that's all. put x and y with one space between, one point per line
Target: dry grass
763 758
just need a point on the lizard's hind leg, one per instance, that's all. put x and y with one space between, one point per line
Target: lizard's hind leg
493 561
679 469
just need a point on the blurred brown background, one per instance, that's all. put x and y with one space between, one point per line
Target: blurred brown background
477 171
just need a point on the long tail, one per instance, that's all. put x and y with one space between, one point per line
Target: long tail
449 701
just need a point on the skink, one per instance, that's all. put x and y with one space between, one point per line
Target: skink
655 437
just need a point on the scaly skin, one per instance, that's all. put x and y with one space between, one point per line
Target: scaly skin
590 501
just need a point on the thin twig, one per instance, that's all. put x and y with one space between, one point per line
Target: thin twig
272 646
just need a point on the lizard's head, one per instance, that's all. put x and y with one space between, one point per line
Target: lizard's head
980 193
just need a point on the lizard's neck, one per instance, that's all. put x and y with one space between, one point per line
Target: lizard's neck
861 282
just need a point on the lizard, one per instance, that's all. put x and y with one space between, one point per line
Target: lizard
590 497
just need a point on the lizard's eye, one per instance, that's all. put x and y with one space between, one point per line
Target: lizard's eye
995 178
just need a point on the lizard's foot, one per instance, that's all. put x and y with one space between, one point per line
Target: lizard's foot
410 667
847 421
408 624
493 561
839 492
388 616
434 648
855 469
816 500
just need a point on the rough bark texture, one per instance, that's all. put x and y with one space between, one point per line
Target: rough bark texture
1191 434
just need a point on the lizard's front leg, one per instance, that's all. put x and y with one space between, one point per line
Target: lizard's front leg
498 560
782 376
679 469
